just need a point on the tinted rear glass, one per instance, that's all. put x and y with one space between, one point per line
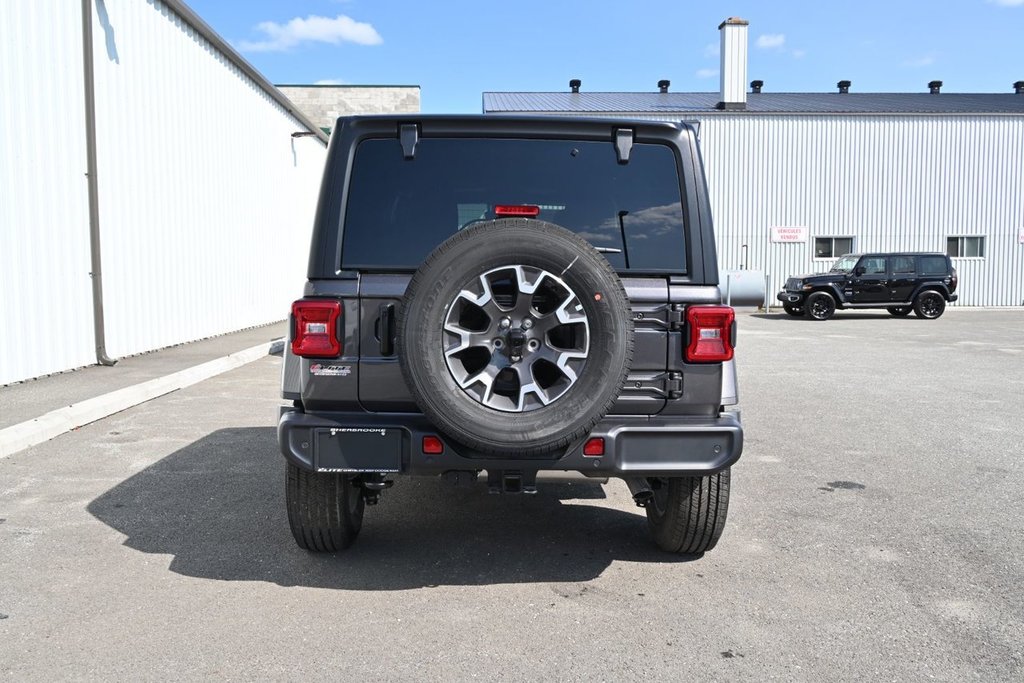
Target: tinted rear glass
933 265
399 210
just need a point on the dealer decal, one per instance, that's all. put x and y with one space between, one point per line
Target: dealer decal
325 370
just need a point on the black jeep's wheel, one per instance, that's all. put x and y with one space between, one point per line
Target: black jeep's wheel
325 511
687 514
515 336
793 310
820 306
899 311
929 305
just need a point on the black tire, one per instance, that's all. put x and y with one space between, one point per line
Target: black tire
795 311
459 264
325 510
687 514
820 306
929 304
900 311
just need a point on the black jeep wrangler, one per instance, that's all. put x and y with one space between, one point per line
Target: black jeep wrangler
900 282
511 295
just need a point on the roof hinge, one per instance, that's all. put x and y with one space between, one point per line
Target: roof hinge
623 144
409 135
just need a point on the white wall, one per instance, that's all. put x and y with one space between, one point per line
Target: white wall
892 182
206 201
45 289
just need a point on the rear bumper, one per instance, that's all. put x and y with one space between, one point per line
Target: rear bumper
634 446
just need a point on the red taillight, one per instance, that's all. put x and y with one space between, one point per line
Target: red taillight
520 210
594 446
955 280
433 445
710 334
315 331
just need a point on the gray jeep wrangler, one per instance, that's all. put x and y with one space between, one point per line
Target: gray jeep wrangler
511 296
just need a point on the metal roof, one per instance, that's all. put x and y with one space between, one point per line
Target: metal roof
187 15
781 103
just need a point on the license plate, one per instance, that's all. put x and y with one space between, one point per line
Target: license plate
358 449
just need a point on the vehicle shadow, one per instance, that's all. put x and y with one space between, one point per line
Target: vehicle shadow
839 315
217 508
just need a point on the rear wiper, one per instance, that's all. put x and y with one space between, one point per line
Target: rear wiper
608 250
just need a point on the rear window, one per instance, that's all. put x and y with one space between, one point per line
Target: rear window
399 210
934 265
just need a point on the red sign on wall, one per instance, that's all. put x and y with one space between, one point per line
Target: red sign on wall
789 233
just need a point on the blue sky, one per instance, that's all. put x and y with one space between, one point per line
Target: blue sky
456 49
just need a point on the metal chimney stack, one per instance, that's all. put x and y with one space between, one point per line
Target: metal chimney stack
732 90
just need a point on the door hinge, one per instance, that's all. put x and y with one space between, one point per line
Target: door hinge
676 313
674 385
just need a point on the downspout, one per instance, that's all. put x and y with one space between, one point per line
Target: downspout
94 202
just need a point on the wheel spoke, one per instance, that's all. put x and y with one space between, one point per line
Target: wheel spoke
515 339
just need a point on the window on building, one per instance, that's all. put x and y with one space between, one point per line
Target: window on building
832 247
965 247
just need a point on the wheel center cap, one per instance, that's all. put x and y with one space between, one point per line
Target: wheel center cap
516 342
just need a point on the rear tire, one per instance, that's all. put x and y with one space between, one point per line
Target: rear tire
900 311
795 311
687 514
325 511
820 306
929 305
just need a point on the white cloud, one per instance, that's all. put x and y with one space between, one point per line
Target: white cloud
712 50
769 41
799 54
312 29
706 73
329 81
918 62
1008 3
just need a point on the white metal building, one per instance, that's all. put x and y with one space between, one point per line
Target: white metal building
154 187
797 179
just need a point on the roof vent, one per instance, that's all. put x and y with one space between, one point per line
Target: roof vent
1018 87
575 84
844 87
934 87
755 86
663 85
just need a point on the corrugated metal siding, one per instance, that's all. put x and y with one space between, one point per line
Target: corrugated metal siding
206 199
45 296
891 182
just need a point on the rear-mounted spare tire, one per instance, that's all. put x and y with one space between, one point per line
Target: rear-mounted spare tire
515 337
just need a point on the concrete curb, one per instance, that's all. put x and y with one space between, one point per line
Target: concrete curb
56 422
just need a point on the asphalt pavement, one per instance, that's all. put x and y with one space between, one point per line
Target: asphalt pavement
875 533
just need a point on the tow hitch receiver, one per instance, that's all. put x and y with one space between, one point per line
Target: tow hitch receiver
373 485
511 481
